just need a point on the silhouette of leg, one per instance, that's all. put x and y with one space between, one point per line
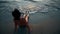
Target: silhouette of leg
22 30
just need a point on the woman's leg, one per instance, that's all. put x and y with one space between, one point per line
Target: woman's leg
15 29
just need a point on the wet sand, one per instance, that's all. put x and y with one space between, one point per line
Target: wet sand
46 27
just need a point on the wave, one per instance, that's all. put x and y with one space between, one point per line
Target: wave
7 1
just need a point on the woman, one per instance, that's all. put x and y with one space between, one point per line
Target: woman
21 22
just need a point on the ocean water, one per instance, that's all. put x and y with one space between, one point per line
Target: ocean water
46 21
6 8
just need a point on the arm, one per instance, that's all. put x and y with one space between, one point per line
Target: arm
26 17
28 25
